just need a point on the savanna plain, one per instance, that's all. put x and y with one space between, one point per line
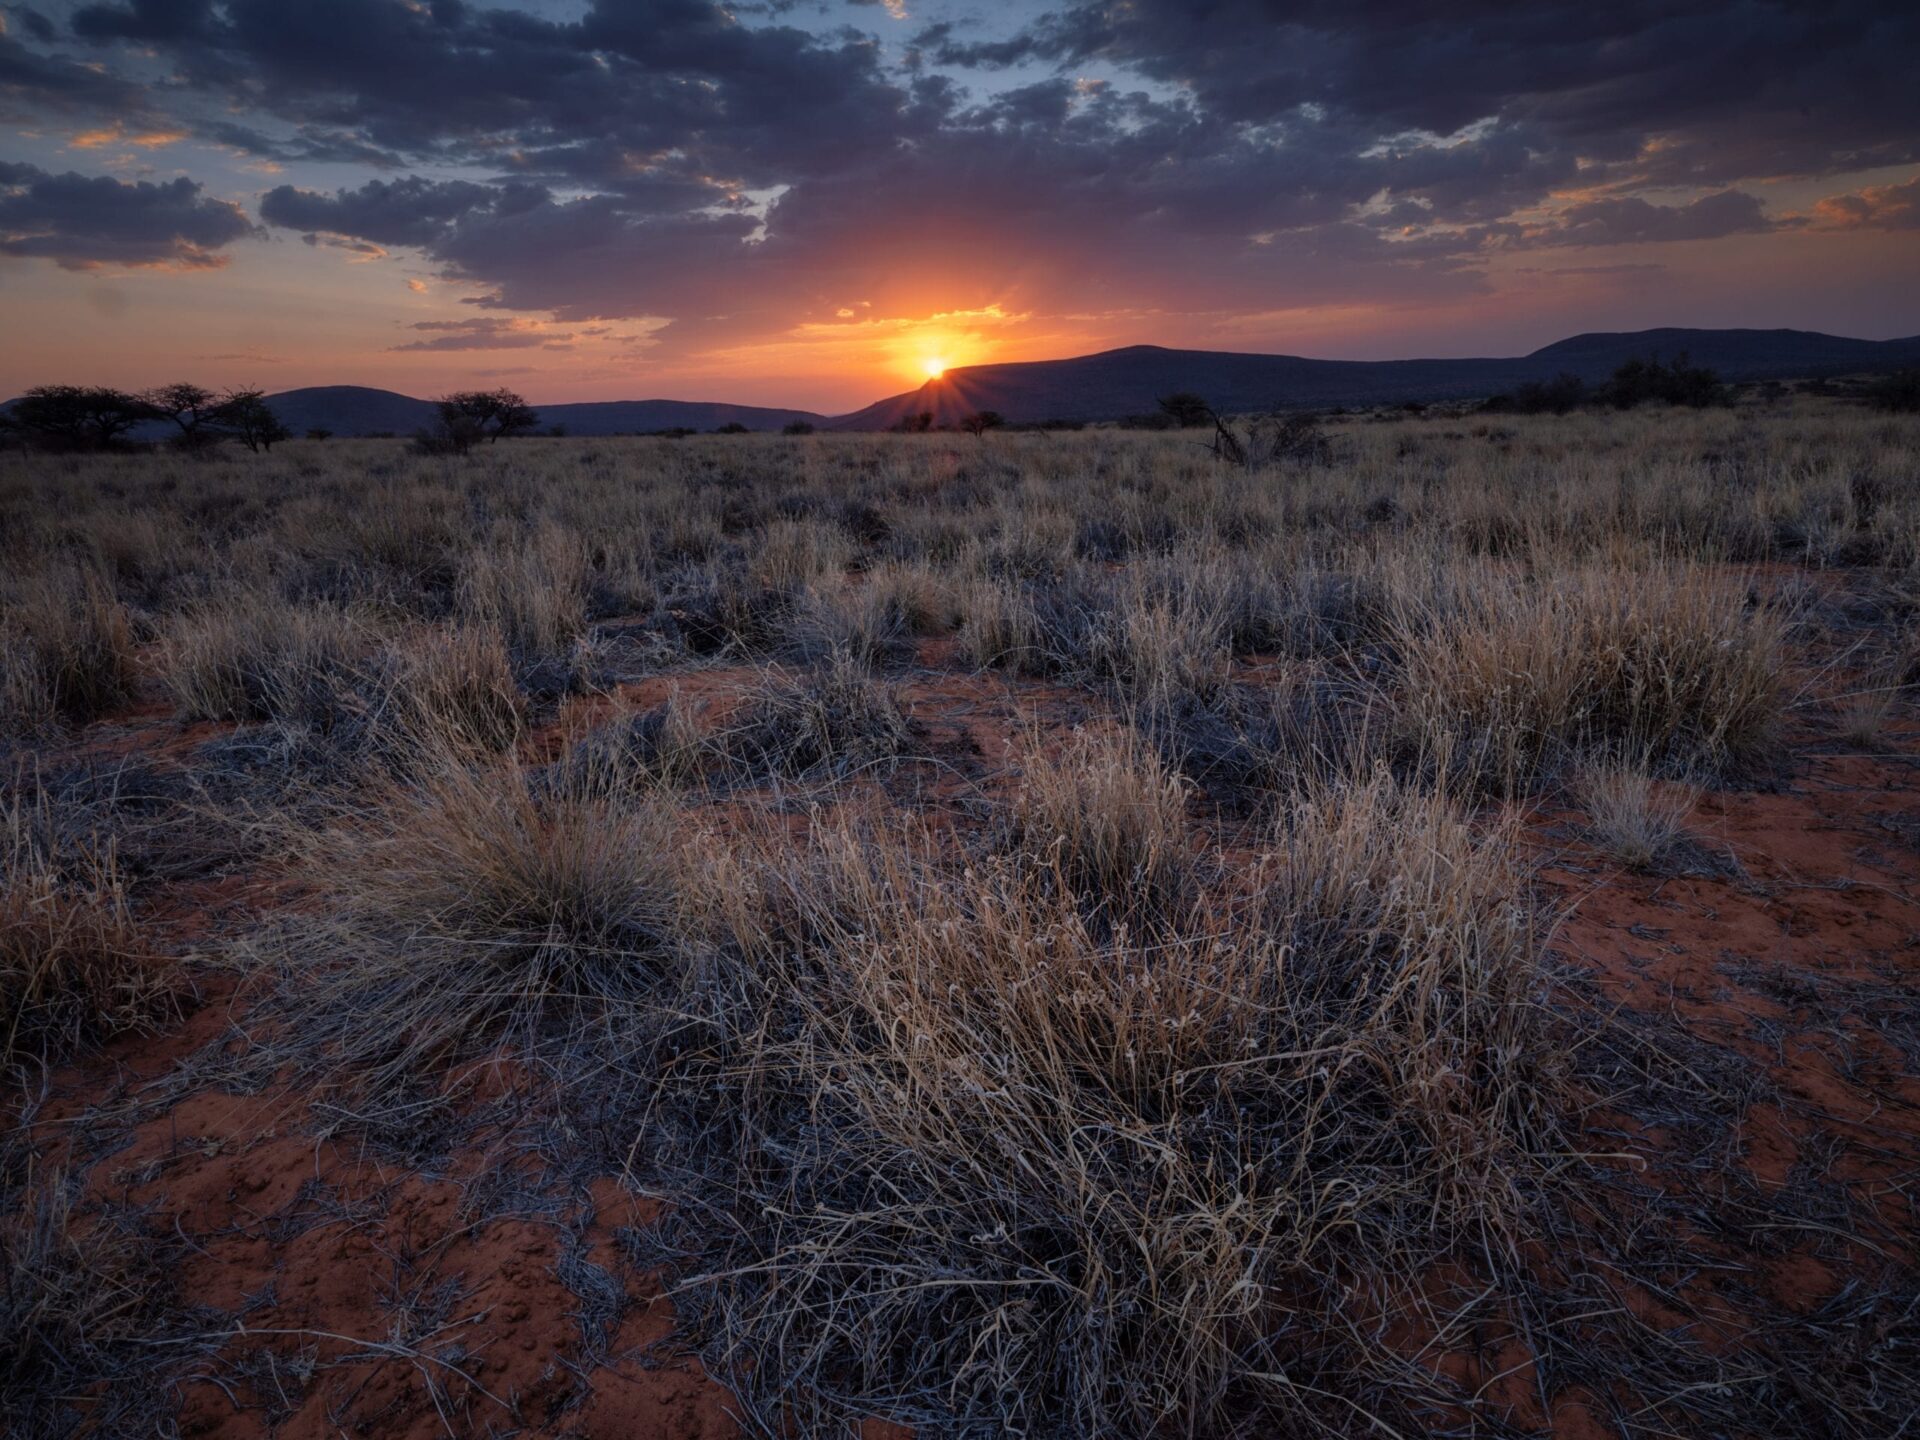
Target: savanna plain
1412 933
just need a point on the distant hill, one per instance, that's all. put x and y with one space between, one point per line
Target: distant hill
1118 383
357 410
350 410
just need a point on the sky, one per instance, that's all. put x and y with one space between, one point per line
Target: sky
817 203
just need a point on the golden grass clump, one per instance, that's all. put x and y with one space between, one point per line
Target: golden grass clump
66 654
534 593
1080 1173
1514 678
1630 815
254 657
480 909
455 688
1106 818
74 964
835 719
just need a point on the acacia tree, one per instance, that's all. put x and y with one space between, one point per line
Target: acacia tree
246 416
978 422
1186 409
467 416
193 409
78 416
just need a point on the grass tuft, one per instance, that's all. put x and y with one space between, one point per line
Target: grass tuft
74 964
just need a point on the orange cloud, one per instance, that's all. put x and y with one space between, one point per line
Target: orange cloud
118 134
1873 207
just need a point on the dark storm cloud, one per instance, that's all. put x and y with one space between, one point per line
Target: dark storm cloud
1631 220
1744 87
663 158
82 221
32 81
759 105
170 20
412 211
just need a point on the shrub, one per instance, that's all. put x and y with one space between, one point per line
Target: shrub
1898 393
1186 410
1557 396
1678 383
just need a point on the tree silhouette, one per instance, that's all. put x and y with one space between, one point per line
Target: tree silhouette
78 416
1186 409
978 422
193 409
246 416
467 416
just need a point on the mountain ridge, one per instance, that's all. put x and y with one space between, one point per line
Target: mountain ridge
1128 380
1112 384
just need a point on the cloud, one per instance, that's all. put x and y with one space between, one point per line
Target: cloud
85 222
412 211
1702 91
488 333
118 134
731 177
1632 221
359 252
1877 207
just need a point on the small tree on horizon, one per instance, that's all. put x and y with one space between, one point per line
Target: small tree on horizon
1186 409
246 416
475 415
978 422
193 410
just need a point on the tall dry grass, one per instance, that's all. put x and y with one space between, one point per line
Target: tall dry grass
478 910
1513 677
1043 1176
74 962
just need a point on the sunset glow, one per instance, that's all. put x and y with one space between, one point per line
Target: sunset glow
868 197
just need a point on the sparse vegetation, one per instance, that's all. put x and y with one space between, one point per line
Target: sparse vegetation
1067 925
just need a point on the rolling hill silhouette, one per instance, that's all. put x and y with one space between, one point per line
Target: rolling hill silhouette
1117 383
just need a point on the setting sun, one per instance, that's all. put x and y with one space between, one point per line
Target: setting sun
934 368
